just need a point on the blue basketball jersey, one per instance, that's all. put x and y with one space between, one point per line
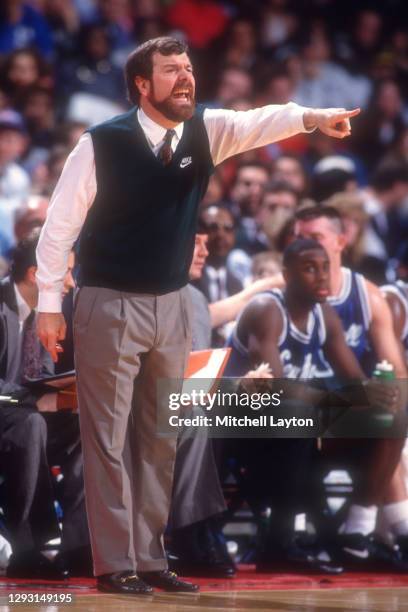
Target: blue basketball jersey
353 308
400 290
301 353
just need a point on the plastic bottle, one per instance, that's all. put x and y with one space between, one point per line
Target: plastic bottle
384 370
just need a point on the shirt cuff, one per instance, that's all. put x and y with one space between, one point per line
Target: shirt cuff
297 113
49 302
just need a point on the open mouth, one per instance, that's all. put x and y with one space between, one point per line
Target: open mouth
182 94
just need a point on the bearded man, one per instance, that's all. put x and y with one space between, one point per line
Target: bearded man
130 190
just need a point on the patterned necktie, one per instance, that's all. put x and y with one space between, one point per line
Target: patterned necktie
31 349
166 152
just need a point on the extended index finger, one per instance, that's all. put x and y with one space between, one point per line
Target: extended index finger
348 114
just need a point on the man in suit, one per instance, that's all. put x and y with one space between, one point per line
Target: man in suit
34 436
217 282
388 226
131 189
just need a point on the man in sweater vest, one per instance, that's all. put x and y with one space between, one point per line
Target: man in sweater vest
130 190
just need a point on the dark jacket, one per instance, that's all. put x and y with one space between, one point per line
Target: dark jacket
10 342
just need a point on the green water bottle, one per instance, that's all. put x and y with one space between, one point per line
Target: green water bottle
384 370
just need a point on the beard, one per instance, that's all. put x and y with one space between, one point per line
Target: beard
171 109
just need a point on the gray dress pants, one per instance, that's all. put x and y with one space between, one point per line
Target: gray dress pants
124 342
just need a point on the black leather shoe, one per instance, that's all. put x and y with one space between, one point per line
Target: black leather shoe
33 565
123 582
168 581
200 550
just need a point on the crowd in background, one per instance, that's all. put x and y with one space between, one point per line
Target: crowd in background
61 71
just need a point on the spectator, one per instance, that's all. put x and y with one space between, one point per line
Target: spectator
24 69
399 151
350 206
14 181
240 46
324 83
389 224
117 18
266 264
233 83
278 205
69 133
46 175
38 109
332 174
93 71
22 26
278 88
289 168
215 190
64 21
218 281
358 48
399 52
381 125
278 23
30 216
246 194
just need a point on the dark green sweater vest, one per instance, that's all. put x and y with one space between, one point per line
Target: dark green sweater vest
139 233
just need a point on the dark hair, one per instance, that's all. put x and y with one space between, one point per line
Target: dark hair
297 247
325 184
317 212
43 68
277 186
218 206
23 256
139 62
85 33
387 175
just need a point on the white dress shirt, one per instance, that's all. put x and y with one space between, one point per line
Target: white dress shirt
229 133
24 311
23 308
217 286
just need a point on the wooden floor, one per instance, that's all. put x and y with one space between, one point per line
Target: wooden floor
319 600
308 601
247 592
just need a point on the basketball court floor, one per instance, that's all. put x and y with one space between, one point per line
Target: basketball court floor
247 592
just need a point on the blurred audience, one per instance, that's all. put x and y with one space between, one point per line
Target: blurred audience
14 181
